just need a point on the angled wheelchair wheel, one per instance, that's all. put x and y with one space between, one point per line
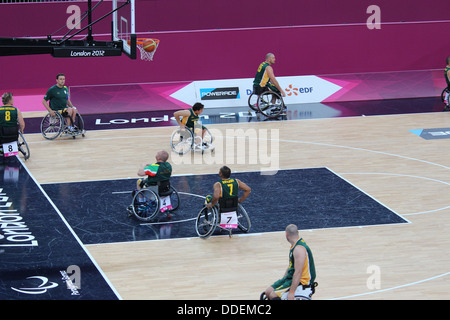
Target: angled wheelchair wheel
253 101
145 205
23 146
206 222
52 126
79 126
182 141
244 222
174 199
443 94
270 104
208 137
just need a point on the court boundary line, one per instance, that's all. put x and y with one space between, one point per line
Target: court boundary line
376 200
72 231
409 176
393 288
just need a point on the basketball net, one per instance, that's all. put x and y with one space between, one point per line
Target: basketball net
146 55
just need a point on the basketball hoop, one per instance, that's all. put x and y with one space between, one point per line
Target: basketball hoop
151 46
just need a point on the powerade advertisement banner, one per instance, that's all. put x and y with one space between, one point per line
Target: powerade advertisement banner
219 93
235 92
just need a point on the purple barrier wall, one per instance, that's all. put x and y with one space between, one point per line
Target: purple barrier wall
234 54
41 19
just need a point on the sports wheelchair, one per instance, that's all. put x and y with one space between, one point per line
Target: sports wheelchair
184 140
150 201
227 214
9 135
302 293
269 103
54 126
444 92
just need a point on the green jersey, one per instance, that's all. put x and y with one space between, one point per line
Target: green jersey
159 171
309 271
261 77
446 70
8 116
191 120
229 188
57 97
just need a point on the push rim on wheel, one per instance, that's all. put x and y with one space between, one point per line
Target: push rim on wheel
244 222
206 222
174 199
253 101
443 94
270 104
145 205
52 126
182 141
23 146
79 123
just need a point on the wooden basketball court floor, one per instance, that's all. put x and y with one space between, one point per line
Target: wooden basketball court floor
377 154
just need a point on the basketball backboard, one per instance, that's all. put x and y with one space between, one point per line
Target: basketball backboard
123 37
124 25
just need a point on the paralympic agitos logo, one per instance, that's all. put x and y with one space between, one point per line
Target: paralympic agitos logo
219 93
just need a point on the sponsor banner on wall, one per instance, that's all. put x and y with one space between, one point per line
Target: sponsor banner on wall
235 92
219 93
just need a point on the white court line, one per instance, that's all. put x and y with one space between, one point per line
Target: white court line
398 174
71 231
166 222
376 200
267 139
409 176
393 288
362 149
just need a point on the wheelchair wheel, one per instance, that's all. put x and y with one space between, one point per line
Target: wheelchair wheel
79 125
145 205
206 222
208 137
443 94
446 90
52 127
270 104
174 199
253 101
244 222
23 146
182 141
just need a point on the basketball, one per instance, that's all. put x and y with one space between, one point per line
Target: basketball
149 45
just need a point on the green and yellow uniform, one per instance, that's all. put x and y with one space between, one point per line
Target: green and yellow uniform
8 116
308 272
261 77
191 120
229 188
57 97
159 171
262 80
